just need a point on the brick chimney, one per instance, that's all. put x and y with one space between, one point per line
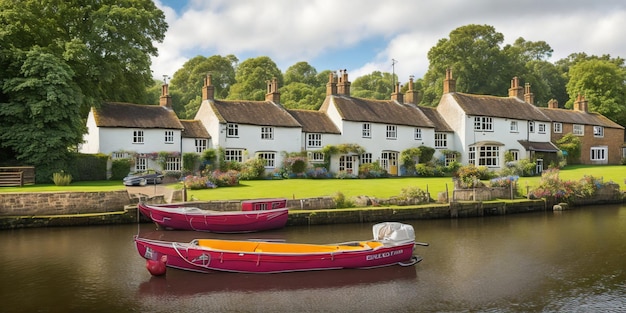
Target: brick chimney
272 91
397 95
411 94
553 104
449 84
208 90
529 97
331 86
165 100
343 86
581 104
516 90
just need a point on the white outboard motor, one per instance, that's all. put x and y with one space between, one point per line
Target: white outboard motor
393 232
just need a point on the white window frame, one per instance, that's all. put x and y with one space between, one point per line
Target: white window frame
557 128
169 136
234 155
487 155
514 154
366 158
541 128
232 130
578 129
201 145
316 157
531 127
269 157
267 133
513 127
598 131
598 153
366 130
313 140
392 132
172 164
418 134
483 123
141 164
138 137
441 140
346 163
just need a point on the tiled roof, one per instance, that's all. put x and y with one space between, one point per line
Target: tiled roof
380 111
538 146
128 115
504 107
579 117
194 129
433 115
314 121
264 113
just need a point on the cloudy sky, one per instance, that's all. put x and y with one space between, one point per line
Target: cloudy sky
366 35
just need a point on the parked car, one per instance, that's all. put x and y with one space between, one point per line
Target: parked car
149 177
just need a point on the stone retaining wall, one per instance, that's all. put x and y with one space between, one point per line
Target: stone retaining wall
59 203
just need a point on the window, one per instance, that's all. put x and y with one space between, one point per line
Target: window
514 154
141 164
450 157
483 123
441 140
316 157
598 153
172 164
235 155
578 130
366 158
201 145
557 128
531 127
138 136
367 130
119 155
169 136
346 164
391 132
514 126
232 130
269 157
314 140
484 156
598 131
418 134
541 128
267 133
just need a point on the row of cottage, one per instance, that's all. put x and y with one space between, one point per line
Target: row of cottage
480 128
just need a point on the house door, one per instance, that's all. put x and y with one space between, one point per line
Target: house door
389 161
346 164
539 167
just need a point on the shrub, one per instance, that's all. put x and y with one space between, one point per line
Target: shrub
318 172
416 193
342 202
198 182
550 186
61 178
120 168
372 170
471 175
252 169
504 181
426 154
344 174
224 179
424 170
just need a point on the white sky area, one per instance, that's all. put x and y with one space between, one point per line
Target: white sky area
363 36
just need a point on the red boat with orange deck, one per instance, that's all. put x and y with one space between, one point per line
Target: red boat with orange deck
393 244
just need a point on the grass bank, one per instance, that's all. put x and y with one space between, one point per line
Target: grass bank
309 188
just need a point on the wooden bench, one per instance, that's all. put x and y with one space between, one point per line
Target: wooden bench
17 176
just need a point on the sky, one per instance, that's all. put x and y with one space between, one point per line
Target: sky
363 36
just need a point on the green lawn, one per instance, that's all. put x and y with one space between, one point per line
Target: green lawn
309 188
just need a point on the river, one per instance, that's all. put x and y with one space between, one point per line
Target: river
568 261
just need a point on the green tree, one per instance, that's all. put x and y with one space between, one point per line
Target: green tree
303 89
252 76
187 81
602 82
377 85
101 50
301 72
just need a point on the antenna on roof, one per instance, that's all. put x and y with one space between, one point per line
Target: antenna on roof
393 73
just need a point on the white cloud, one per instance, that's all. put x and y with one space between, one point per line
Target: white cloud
302 30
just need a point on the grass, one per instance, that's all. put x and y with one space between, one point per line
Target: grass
311 188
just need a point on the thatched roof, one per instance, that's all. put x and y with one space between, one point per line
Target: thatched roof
264 113
579 117
503 107
128 115
380 111
194 129
314 121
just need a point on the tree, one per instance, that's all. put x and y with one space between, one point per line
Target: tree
602 82
101 49
187 81
377 85
301 72
252 76
301 96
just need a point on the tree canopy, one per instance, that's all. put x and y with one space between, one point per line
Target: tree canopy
59 58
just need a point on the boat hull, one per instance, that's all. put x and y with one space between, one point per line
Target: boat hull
189 256
187 218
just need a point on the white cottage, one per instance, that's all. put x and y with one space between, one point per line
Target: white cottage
488 126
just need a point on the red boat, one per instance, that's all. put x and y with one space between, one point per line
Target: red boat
393 244
256 215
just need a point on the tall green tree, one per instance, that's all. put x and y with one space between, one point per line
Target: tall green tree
252 76
602 82
102 49
302 89
377 85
